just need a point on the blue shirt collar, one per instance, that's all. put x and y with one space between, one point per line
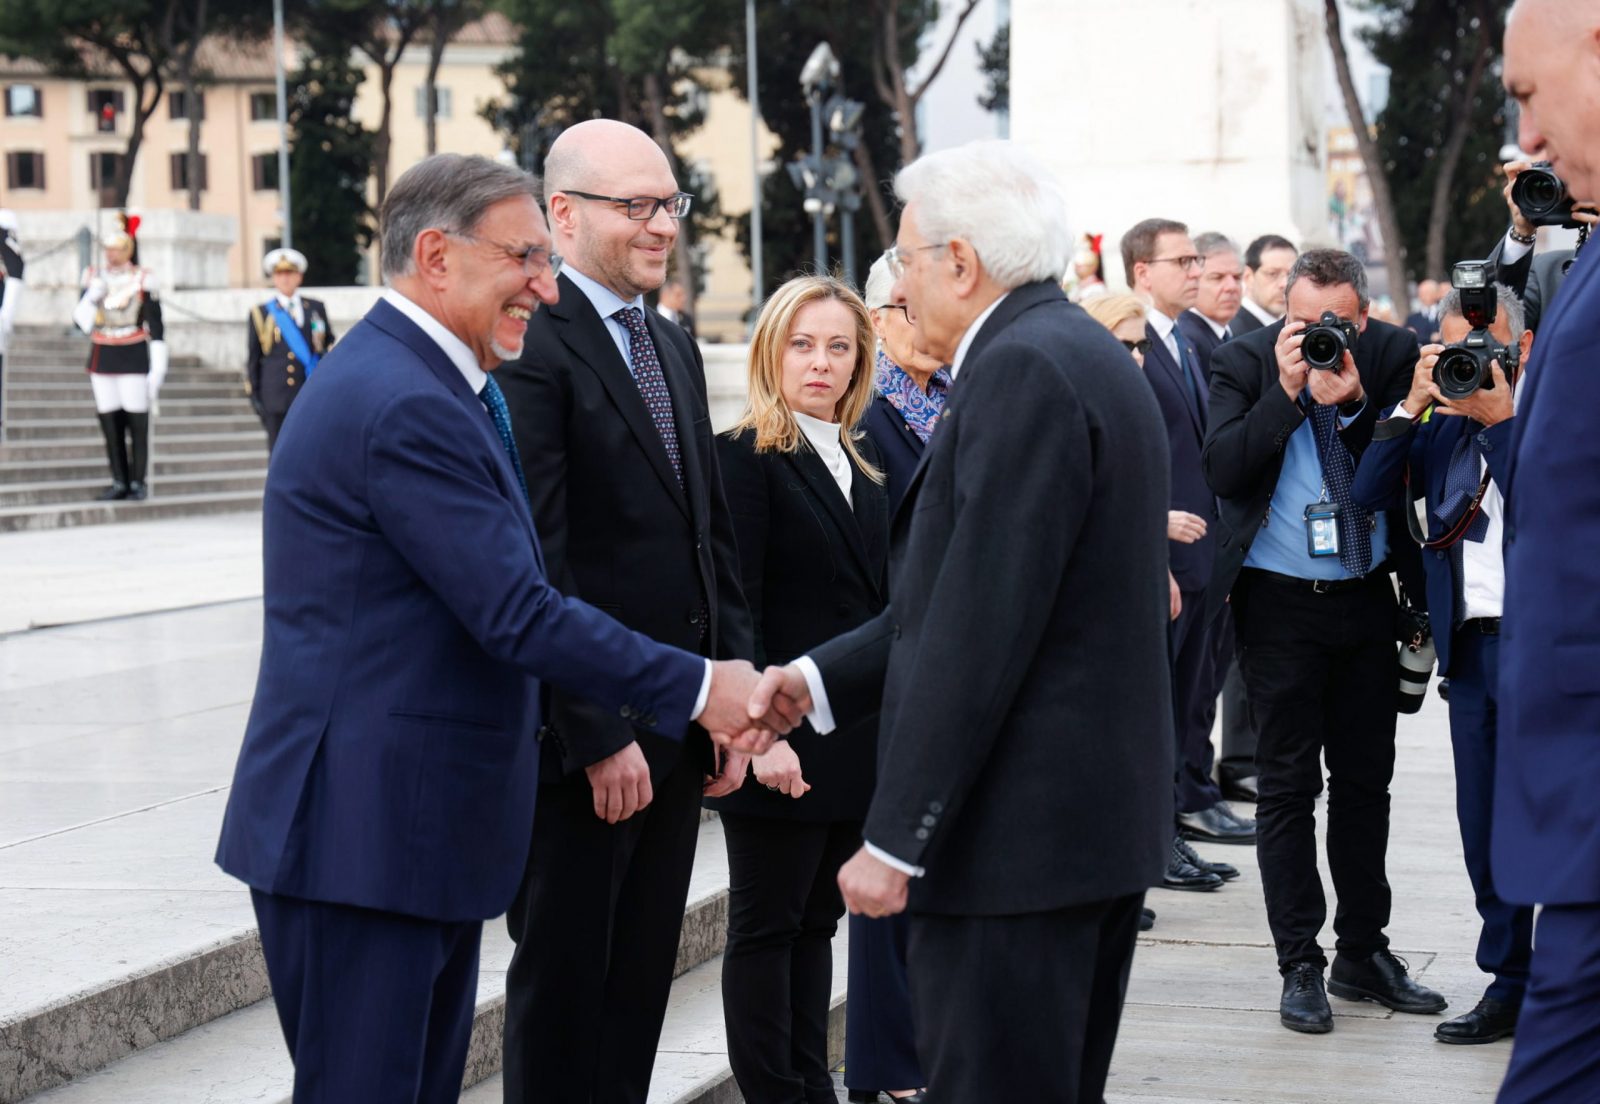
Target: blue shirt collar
605 301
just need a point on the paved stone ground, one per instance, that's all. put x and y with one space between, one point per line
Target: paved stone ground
1201 1022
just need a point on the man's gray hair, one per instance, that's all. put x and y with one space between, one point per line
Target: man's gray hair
1212 242
1329 268
880 281
448 192
1510 308
998 197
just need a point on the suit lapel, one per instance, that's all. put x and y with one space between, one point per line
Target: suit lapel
1186 394
584 332
823 486
681 387
871 505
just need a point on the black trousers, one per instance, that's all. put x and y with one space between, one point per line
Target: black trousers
596 922
880 1040
1320 671
1506 942
1194 697
373 1005
272 422
777 973
1021 1007
1238 737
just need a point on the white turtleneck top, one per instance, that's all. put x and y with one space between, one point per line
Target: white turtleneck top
824 439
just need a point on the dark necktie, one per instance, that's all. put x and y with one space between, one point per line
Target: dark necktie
1461 479
646 368
1338 472
501 416
1188 369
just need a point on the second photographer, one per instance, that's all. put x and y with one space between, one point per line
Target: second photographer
1455 454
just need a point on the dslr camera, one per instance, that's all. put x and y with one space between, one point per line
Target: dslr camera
1542 196
1464 367
1325 343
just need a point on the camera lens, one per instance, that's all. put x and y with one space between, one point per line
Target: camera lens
1321 349
1458 373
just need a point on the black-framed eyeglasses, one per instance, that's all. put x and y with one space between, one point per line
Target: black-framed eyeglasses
534 259
643 208
901 307
1142 346
900 258
1189 262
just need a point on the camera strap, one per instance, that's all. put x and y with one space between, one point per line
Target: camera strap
1456 532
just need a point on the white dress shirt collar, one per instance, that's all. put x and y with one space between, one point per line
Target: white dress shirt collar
1218 328
824 438
453 347
1263 315
972 333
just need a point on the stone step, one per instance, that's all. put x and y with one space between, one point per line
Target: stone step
77 390
26 373
62 408
81 491
178 1016
188 464
62 515
24 431
87 447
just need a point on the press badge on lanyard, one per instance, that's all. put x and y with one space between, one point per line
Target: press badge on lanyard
1322 527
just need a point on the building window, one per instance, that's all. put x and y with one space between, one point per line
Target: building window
25 170
180 172
105 104
103 169
263 107
178 105
264 172
443 98
24 99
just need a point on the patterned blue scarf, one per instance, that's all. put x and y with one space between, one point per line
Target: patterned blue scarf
921 410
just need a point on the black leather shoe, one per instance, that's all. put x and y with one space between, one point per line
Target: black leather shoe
1245 788
137 492
1147 919
1224 871
873 1096
1489 1021
1382 978
114 493
1216 825
1183 874
1304 1006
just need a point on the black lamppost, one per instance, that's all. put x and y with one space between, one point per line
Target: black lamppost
829 179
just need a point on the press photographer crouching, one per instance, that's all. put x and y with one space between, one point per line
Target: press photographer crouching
1314 610
1450 439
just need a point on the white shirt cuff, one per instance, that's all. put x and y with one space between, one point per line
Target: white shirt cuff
889 860
705 694
1512 251
821 715
1399 411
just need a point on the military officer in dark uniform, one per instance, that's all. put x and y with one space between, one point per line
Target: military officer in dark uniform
288 335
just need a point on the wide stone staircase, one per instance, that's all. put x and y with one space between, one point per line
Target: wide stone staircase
208 453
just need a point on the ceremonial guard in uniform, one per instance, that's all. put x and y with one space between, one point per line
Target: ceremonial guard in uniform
127 361
10 295
288 335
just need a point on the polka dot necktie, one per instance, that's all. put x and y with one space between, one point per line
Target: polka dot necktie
646 369
495 400
1338 471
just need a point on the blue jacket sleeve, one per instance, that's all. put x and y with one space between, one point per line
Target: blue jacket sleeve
1380 477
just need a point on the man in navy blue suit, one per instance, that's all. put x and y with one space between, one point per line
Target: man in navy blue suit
1456 457
1546 845
383 798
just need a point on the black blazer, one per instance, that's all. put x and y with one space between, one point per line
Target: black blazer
1026 741
1244 322
1535 277
618 530
812 566
1252 419
1186 429
1205 339
899 449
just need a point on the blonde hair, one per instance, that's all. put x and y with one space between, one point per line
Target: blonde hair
766 412
1113 310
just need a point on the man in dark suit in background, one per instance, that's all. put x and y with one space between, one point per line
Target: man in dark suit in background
1546 845
1164 269
1024 794
1266 269
673 305
288 335
608 402
1208 322
1314 609
1424 321
383 797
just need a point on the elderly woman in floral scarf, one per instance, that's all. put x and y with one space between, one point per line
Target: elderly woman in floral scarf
912 387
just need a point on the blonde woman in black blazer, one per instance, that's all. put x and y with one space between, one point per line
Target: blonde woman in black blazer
811 520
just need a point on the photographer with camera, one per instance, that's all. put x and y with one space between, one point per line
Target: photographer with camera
1292 407
1536 197
1450 440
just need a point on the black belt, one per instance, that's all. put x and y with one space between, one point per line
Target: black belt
1319 586
1487 626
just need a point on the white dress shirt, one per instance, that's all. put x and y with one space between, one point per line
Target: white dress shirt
1167 330
824 438
471 371
971 335
294 306
1218 328
1263 315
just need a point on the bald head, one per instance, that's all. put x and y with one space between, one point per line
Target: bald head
1552 70
605 158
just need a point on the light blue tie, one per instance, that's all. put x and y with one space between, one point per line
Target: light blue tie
501 416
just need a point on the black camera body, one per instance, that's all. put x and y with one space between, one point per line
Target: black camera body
1324 344
1542 196
1464 367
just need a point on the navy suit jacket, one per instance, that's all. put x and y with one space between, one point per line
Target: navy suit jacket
1424 450
390 760
899 448
1205 340
1185 416
1547 780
